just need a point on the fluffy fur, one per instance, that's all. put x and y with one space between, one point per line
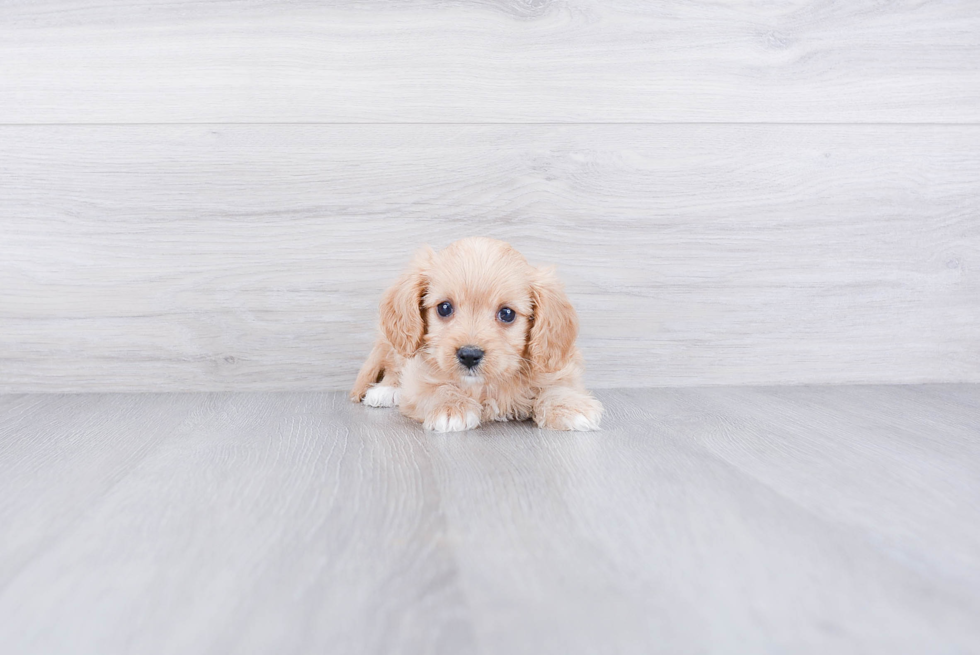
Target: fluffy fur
530 369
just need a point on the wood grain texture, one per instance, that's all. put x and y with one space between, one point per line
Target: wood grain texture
806 519
269 526
148 258
490 61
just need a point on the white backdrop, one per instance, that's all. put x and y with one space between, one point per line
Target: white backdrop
214 195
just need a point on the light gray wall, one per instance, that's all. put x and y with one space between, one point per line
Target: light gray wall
214 195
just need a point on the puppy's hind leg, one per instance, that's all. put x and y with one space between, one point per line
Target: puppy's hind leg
382 395
371 372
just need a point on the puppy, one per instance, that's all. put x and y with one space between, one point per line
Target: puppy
474 333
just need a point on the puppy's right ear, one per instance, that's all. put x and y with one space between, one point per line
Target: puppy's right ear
401 307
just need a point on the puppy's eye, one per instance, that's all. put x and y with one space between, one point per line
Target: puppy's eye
444 308
507 315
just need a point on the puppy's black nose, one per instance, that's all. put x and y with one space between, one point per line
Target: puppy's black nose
469 356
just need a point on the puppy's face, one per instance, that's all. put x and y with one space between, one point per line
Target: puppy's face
477 308
478 312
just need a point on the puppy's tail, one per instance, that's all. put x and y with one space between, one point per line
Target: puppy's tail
371 371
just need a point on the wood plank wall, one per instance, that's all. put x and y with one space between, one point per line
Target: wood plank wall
204 196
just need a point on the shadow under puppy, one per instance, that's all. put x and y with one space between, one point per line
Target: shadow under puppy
474 333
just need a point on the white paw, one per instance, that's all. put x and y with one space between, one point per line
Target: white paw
584 416
381 396
583 422
454 423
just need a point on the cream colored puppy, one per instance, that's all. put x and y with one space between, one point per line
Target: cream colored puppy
474 333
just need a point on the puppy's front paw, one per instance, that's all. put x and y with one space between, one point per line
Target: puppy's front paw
583 414
452 420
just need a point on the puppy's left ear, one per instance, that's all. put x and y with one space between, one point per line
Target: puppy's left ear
402 322
551 339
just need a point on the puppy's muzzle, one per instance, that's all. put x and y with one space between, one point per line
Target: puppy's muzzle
469 356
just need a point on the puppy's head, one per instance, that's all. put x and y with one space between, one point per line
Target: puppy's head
479 312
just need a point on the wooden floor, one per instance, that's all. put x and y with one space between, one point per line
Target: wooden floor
792 519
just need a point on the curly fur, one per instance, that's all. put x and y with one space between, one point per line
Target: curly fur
531 368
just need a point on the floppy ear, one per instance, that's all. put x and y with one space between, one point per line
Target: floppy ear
402 322
554 326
